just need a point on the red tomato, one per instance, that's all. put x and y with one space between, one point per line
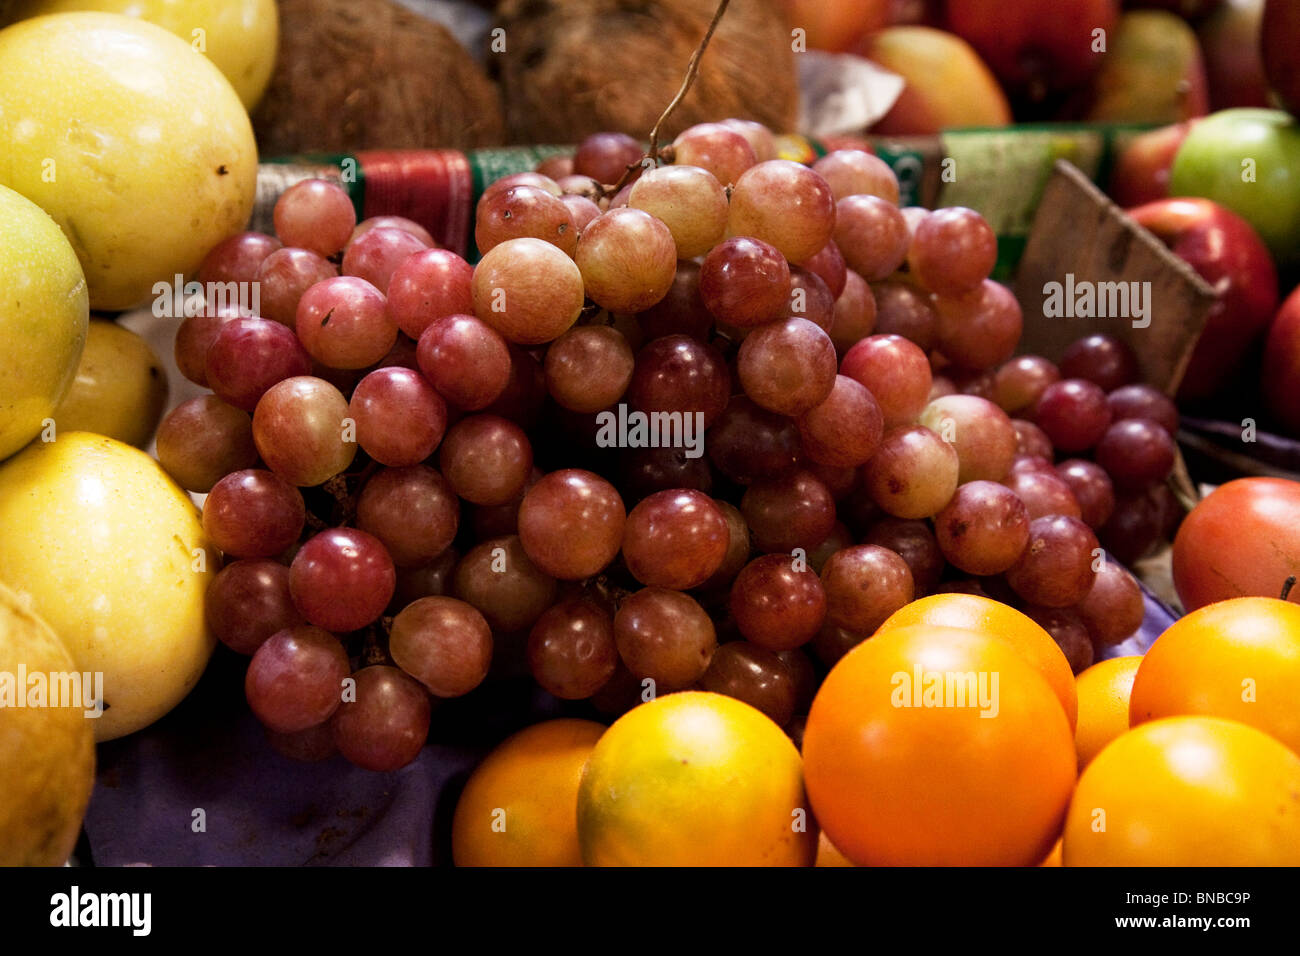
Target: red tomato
1241 541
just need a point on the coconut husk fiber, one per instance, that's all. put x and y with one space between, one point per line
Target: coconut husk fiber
372 75
575 67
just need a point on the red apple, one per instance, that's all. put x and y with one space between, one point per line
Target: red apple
1187 9
1230 256
1282 364
1280 51
1141 171
1035 49
1230 42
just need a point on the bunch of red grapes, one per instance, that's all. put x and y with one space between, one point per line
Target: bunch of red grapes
402 469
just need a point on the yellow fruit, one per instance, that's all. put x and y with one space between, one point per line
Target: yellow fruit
519 807
1187 791
114 558
1104 690
43 315
695 779
933 746
1238 659
47 753
986 616
119 390
134 144
238 36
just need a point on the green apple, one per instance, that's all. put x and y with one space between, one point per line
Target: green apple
43 314
1249 161
239 36
112 555
135 144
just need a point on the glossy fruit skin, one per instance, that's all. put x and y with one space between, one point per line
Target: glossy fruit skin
120 387
894 783
1141 171
1104 690
1187 791
986 616
528 787
1242 540
1238 659
240 35
694 779
174 165
139 617
1277 49
1228 254
46 326
48 753
1209 164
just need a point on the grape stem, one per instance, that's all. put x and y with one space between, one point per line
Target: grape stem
692 71
1286 587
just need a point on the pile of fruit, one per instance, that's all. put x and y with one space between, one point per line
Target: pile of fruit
732 457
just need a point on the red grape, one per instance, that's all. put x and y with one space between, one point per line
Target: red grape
315 214
745 282
253 514
248 601
341 579
675 539
388 722
443 643
785 204
984 529
571 523
787 366
571 649
864 585
412 511
778 603
428 285
295 679
1056 568
664 636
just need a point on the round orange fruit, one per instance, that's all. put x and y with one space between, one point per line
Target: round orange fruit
827 855
519 806
1103 705
1187 791
695 779
1238 659
975 613
936 746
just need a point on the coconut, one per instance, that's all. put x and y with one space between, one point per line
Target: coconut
372 75
575 67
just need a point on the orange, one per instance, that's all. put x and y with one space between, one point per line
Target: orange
1103 705
1187 791
1238 659
938 746
827 855
519 806
1054 857
987 616
695 779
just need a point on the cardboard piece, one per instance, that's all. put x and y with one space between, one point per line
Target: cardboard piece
1083 247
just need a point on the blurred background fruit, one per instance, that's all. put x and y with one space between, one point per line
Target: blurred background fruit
1278 29
1152 72
1187 791
1034 53
835 26
1104 690
138 149
120 388
519 807
1230 40
238 36
1241 540
1237 659
695 779
895 780
43 317
947 84
1141 171
47 754
113 556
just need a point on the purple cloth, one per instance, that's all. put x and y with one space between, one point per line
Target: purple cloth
262 809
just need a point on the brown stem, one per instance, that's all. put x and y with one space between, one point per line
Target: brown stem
692 71
1286 587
